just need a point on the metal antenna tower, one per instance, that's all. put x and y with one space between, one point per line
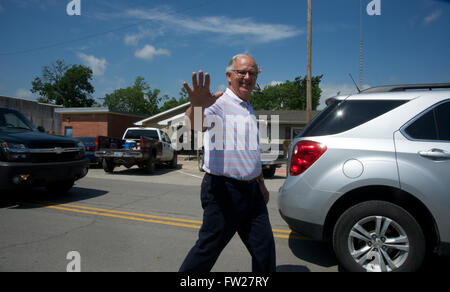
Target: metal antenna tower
360 45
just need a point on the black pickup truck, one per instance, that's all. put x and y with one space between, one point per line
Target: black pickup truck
30 158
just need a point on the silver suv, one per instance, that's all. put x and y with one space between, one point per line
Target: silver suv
371 174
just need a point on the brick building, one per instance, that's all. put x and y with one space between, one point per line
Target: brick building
92 122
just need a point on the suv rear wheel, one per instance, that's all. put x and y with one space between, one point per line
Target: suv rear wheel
378 236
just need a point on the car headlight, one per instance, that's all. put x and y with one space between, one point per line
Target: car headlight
13 146
82 152
17 146
14 151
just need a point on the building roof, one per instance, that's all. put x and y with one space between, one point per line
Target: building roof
153 120
285 116
6 99
94 110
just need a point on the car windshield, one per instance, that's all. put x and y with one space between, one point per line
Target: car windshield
13 120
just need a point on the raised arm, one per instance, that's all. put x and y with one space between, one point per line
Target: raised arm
200 96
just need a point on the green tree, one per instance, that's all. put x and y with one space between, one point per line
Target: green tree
139 98
65 85
290 95
173 102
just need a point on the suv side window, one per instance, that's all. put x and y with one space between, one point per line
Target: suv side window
433 125
342 116
443 121
165 137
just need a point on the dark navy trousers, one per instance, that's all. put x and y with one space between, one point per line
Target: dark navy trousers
232 206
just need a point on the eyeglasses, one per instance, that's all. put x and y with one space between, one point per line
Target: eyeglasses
243 73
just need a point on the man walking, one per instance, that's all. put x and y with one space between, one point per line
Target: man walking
233 193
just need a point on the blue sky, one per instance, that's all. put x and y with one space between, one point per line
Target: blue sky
164 41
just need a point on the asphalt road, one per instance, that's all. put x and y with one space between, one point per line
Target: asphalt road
130 221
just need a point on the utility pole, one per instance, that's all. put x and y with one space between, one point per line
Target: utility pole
308 68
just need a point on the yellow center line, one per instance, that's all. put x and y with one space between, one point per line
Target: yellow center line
132 214
196 224
124 217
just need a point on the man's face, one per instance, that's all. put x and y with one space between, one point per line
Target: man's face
243 78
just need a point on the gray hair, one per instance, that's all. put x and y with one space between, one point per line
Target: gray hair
229 68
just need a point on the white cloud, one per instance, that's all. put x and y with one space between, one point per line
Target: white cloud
97 65
432 17
148 52
24 93
242 28
132 39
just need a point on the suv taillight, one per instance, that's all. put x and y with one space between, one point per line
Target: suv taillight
304 154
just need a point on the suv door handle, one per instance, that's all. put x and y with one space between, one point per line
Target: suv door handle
435 154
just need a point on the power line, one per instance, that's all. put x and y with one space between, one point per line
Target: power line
90 36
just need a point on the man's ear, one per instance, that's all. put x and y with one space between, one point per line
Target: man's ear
228 75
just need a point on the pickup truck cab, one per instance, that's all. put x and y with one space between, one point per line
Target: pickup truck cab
144 147
30 158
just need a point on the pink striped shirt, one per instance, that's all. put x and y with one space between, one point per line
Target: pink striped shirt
231 141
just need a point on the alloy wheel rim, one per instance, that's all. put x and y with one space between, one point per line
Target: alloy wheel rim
378 244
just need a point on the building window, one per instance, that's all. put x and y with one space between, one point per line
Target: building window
68 131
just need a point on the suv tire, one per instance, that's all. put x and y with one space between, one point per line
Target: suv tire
364 238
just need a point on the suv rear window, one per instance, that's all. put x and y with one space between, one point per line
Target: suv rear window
341 116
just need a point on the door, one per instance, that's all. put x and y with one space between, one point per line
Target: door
423 158
167 147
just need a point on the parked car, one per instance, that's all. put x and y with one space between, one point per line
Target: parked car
90 146
371 174
30 158
144 147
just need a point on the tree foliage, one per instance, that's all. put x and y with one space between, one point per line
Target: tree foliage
173 102
290 95
65 85
139 98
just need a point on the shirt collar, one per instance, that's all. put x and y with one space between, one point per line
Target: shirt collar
234 98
